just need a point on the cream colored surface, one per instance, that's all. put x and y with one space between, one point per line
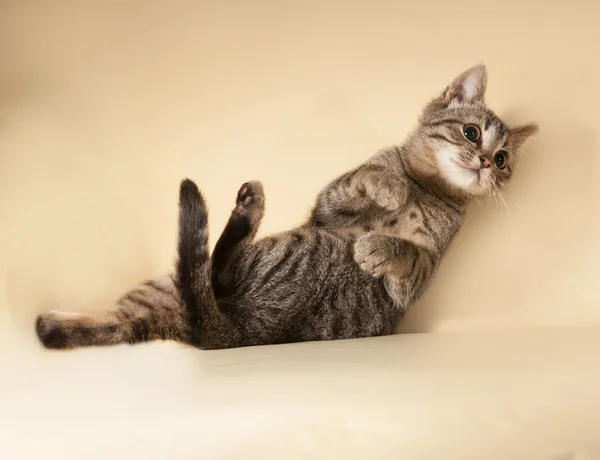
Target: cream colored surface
514 396
106 105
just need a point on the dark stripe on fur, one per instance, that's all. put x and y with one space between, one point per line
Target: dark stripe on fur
157 287
445 121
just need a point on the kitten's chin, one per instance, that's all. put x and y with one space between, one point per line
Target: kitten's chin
472 181
483 187
458 176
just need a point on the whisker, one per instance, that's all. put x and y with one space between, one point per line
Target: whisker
515 203
501 198
496 204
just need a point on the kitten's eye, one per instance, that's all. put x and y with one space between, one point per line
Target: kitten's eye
472 133
500 159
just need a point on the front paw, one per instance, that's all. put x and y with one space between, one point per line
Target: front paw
387 191
374 253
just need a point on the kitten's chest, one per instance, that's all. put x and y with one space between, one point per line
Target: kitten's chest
426 224
412 222
409 222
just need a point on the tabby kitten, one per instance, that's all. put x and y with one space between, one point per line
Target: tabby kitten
368 251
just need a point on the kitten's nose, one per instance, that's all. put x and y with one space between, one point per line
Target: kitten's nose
485 163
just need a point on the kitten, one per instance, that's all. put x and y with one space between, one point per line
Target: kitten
371 246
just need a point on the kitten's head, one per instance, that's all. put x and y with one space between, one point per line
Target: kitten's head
465 143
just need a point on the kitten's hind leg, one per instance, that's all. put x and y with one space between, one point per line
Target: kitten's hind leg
151 311
238 233
62 330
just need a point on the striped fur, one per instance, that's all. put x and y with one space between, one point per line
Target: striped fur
371 246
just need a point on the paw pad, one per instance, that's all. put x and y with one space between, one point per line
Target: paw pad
249 193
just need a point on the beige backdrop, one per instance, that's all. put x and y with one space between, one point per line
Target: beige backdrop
106 105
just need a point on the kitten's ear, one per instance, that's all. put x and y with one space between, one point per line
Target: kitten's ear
520 134
469 86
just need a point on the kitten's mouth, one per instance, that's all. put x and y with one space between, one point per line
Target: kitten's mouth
476 171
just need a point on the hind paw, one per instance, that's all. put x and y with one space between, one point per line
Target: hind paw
250 204
250 198
51 331
247 214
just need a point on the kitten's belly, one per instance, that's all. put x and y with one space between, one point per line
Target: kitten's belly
323 259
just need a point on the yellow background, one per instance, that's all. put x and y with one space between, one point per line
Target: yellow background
105 106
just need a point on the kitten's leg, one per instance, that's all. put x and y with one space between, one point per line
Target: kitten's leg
370 187
150 311
238 233
406 265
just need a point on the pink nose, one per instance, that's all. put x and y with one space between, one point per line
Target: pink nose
485 163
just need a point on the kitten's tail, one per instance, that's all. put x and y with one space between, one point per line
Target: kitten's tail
210 327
